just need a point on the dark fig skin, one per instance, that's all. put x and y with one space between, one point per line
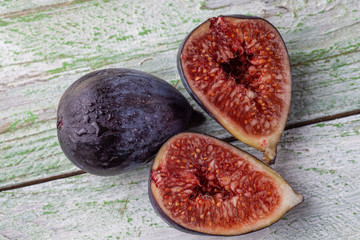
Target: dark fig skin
110 120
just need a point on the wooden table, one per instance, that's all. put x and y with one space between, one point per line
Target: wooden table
46 45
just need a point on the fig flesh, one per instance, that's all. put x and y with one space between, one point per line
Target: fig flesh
238 69
201 184
110 120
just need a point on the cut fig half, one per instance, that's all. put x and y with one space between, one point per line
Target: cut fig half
199 184
238 69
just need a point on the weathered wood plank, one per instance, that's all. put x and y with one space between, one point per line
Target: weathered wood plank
45 50
317 160
22 8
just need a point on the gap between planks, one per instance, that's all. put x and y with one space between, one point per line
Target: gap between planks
41 180
229 139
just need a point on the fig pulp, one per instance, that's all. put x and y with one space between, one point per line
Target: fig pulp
109 120
199 183
237 68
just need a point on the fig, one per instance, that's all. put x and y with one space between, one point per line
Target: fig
201 184
110 120
238 69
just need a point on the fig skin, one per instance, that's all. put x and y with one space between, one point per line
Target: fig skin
109 121
163 175
267 144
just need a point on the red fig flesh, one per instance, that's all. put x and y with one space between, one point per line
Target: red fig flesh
237 68
199 183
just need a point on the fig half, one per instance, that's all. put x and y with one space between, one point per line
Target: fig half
111 120
238 69
201 184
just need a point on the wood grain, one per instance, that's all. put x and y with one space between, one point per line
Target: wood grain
316 160
47 46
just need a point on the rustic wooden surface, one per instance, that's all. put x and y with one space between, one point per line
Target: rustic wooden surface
47 45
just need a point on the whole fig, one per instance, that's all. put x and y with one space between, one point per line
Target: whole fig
110 120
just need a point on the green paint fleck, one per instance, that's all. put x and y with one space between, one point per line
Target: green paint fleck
48 212
144 31
129 219
29 118
122 38
55 144
27 151
13 125
345 134
48 206
89 204
320 125
320 171
197 20
339 125
116 201
322 11
338 65
79 1
69 43
33 17
3 23
6 148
